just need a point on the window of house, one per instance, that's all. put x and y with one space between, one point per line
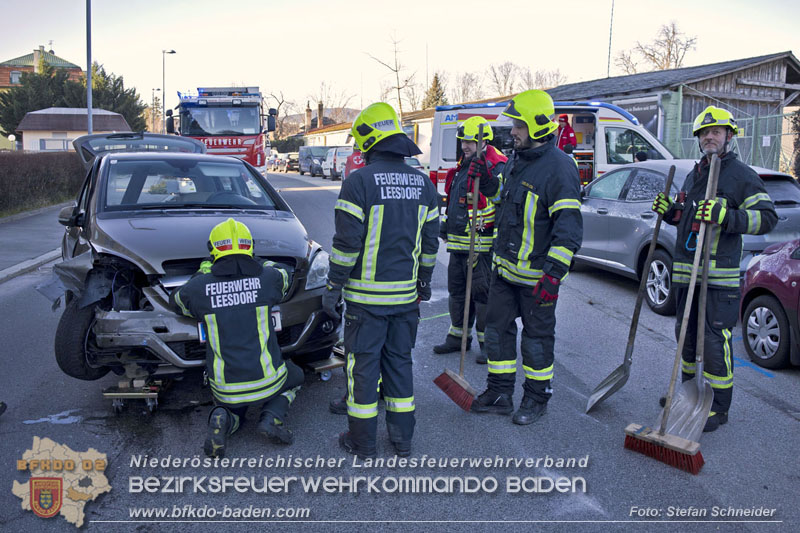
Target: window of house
15 77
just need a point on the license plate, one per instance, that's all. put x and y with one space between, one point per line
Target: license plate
275 318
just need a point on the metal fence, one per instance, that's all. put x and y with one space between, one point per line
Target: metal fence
766 141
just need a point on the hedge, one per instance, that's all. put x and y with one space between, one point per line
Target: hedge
31 180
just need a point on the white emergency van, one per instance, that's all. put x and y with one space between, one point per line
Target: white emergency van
607 136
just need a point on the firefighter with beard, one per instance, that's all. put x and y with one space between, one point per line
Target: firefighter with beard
538 228
232 297
455 231
381 262
741 205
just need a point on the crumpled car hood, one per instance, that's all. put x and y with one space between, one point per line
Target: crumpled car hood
148 241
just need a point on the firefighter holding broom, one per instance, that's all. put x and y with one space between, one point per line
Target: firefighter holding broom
455 231
538 228
741 205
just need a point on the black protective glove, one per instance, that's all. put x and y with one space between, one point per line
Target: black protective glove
546 290
330 300
443 230
478 169
423 291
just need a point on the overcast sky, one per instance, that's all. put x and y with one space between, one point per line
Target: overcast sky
293 46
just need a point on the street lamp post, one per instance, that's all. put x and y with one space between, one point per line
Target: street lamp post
164 88
153 110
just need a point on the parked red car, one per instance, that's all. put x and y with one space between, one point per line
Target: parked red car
770 303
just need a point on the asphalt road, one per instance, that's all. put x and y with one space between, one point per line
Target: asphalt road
750 463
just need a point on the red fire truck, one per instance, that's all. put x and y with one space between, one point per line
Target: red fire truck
228 120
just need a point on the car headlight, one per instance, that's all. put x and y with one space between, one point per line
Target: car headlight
316 161
318 271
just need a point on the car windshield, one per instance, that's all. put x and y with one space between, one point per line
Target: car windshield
783 191
412 161
319 151
237 120
174 184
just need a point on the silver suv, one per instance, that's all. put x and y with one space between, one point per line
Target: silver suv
618 223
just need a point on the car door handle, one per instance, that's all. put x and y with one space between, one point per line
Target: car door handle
647 214
602 211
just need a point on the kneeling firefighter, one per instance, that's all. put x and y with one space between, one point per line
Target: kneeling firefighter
232 297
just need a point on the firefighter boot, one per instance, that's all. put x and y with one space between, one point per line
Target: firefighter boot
451 344
481 358
347 444
529 411
221 423
714 421
338 406
493 402
274 429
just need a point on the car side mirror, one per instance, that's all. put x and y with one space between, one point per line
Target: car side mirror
170 123
66 217
270 123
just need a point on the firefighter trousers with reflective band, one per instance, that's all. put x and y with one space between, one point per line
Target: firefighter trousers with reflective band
378 346
457 286
506 303
722 307
277 405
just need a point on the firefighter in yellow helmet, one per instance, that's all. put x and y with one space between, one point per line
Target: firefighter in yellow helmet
455 231
538 227
381 262
232 298
741 205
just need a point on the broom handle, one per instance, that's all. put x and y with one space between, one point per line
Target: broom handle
686 311
643 282
713 178
465 327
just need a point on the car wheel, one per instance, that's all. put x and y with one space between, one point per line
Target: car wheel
659 293
766 332
72 336
301 172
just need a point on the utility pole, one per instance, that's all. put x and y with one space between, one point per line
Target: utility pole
164 88
610 31
153 110
89 67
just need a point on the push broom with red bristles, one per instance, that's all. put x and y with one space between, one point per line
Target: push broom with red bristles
668 448
455 386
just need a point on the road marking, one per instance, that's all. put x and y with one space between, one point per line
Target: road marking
748 364
434 316
58 418
323 187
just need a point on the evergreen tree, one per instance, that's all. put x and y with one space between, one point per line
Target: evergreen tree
435 94
35 91
109 93
52 88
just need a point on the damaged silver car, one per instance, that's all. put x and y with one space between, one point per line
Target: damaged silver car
139 229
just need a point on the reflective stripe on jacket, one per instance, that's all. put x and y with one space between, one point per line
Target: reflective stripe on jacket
387 226
538 226
458 215
749 210
234 300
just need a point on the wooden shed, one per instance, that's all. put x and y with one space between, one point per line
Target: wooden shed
756 90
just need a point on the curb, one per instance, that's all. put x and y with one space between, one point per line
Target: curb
26 214
27 266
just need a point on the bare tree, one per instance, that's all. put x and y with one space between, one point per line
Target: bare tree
334 101
413 93
667 50
284 126
541 79
394 66
386 90
468 86
503 77
626 62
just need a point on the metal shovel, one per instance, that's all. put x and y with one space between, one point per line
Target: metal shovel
620 375
686 410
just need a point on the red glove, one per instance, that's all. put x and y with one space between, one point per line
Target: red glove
478 169
546 290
